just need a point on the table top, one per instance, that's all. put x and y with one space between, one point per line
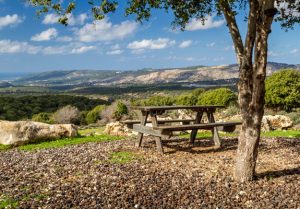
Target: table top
196 107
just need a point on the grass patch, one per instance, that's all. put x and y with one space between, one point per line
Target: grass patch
68 141
8 203
91 131
282 133
4 147
122 157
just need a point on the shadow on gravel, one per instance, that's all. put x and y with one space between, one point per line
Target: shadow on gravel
201 146
279 173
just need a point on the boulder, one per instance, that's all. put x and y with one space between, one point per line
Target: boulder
20 132
276 122
118 129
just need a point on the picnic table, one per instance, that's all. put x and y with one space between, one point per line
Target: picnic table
160 130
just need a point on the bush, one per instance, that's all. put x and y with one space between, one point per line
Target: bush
67 114
95 114
115 111
43 117
158 100
221 96
187 99
120 111
283 90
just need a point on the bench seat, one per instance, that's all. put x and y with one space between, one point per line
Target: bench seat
166 130
130 123
197 126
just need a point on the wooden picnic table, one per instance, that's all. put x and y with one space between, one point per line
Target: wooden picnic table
160 130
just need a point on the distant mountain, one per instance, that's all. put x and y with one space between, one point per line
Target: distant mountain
196 74
4 84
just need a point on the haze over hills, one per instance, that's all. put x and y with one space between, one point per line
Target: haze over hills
196 74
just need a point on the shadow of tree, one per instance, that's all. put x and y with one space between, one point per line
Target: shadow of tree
278 173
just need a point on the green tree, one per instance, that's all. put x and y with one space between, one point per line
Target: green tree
120 111
43 117
283 89
158 100
251 53
221 96
95 114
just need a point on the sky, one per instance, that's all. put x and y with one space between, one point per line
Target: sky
29 43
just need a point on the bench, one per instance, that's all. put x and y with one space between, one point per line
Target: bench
130 123
167 130
160 129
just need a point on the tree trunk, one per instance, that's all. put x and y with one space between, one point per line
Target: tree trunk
252 88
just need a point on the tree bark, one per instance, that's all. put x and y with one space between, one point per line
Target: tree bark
252 73
252 87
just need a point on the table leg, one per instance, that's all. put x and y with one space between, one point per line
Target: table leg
216 137
140 135
158 141
194 132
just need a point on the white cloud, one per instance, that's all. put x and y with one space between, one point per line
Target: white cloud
160 43
82 49
212 44
65 39
10 20
185 44
72 48
103 30
46 35
53 18
294 51
12 47
114 52
197 24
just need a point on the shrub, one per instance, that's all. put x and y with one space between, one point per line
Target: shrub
187 99
283 90
221 96
67 114
43 117
197 92
95 114
158 100
115 111
120 111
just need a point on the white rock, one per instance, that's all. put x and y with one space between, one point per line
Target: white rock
118 129
276 122
21 132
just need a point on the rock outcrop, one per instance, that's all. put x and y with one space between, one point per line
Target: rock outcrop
118 129
20 132
276 122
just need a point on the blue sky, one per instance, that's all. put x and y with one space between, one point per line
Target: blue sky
30 44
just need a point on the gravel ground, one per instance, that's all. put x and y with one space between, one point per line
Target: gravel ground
81 176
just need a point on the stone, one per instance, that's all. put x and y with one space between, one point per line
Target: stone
276 122
21 132
118 129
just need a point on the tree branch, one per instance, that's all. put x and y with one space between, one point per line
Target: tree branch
233 28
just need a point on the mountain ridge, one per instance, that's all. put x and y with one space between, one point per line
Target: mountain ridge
193 74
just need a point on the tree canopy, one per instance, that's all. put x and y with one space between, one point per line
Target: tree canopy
183 10
283 89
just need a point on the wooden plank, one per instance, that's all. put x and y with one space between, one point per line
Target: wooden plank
148 130
194 132
215 133
159 121
141 134
158 141
196 107
195 126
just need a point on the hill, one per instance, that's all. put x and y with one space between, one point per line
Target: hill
195 74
